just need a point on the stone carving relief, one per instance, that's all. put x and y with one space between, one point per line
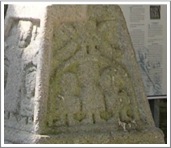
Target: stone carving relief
89 83
20 71
72 79
26 28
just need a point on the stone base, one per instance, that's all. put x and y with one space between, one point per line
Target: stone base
147 136
17 136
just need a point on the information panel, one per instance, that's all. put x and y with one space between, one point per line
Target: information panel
147 25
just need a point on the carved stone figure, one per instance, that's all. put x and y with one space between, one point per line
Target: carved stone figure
20 58
88 73
85 86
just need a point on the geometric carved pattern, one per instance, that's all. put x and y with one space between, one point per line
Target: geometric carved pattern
88 81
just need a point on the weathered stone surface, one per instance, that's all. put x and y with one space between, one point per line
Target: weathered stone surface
75 75
21 50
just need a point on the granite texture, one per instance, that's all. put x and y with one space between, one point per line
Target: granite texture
71 77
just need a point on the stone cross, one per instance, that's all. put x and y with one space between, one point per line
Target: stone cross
70 76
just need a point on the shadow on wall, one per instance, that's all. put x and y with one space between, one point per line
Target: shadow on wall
5 10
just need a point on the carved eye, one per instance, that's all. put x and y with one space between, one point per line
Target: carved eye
120 91
21 37
87 49
96 47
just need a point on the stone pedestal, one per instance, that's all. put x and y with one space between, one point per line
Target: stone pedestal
71 77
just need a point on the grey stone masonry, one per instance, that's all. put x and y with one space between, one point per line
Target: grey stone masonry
70 76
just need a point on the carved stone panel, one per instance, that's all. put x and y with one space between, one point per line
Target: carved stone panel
20 71
71 77
89 81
